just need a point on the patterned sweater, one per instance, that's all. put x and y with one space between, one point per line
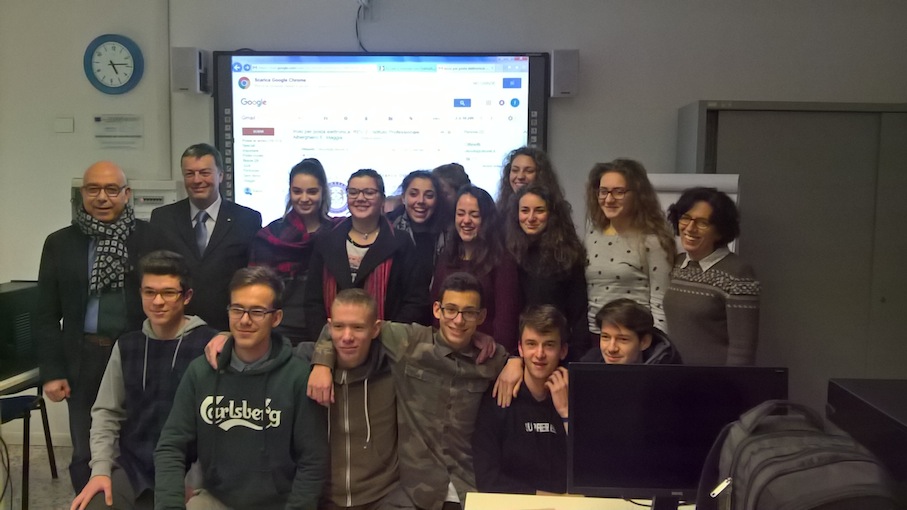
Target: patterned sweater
714 314
626 267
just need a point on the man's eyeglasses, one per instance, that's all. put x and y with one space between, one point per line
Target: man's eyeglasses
451 312
700 224
111 190
169 295
256 314
617 193
368 193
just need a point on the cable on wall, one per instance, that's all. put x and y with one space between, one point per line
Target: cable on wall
360 14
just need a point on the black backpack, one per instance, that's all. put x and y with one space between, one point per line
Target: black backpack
792 461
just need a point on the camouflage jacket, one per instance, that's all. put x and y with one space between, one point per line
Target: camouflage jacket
438 396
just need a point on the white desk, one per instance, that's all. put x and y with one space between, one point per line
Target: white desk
481 501
19 380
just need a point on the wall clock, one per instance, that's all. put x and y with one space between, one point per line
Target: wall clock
113 63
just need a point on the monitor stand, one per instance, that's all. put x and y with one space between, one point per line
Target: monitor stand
665 503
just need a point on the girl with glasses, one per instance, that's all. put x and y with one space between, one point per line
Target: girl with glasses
629 246
364 251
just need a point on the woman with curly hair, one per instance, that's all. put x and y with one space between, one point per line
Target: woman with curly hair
630 249
526 165
551 259
451 177
474 246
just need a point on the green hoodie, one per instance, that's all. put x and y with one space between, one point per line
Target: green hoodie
261 441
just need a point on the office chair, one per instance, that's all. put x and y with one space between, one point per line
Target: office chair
13 408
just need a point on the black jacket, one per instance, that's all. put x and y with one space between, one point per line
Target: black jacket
227 251
405 301
63 294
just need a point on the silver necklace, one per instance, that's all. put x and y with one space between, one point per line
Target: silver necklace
366 234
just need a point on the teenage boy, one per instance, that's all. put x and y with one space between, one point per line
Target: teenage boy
365 473
629 336
522 449
138 386
261 443
439 388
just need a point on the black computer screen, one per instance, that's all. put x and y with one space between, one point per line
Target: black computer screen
641 431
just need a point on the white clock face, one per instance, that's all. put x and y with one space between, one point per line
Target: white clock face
112 65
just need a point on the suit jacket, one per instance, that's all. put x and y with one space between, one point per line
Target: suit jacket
63 294
227 251
406 299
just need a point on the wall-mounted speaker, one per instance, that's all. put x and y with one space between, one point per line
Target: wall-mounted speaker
189 70
564 73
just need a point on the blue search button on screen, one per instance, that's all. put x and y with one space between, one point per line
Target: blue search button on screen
513 83
462 103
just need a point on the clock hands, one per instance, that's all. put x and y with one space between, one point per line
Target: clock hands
114 65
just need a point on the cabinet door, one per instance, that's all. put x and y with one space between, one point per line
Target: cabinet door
888 294
807 200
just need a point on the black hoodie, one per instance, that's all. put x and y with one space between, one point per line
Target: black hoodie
660 352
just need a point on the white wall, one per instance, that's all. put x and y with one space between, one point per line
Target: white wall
640 61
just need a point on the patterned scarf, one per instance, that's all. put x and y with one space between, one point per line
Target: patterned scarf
283 246
404 224
111 258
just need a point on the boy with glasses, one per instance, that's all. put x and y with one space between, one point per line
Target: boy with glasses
439 383
138 386
261 443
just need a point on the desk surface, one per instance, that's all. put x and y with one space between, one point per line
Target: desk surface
482 501
19 382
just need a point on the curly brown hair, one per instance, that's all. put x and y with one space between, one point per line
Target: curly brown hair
544 175
647 215
559 247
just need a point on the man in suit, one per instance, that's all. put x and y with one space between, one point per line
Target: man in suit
87 278
212 234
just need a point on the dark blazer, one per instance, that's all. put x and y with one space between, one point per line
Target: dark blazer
406 299
63 294
227 251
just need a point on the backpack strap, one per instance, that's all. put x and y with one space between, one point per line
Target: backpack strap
752 418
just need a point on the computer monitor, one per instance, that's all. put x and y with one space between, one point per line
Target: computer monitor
392 112
18 302
643 431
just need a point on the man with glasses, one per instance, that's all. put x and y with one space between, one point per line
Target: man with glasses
87 279
439 383
213 234
260 442
137 390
